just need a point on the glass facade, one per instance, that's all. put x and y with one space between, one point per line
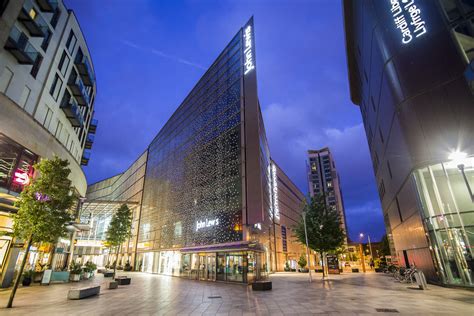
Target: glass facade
445 190
193 192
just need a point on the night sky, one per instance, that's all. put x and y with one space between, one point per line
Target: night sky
148 55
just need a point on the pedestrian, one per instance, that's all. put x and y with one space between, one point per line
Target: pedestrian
372 264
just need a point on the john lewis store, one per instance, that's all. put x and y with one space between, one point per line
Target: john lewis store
211 199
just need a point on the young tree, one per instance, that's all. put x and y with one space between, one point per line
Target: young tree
119 229
43 208
302 262
385 246
323 226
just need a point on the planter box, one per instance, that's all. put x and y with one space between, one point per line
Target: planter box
123 280
75 277
378 270
60 276
112 285
108 274
318 270
262 286
355 270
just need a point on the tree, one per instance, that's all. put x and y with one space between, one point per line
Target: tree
119 229
43 208
323 226
385 246
302 261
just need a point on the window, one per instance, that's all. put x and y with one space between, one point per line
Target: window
398 208
5 79
56 87
32 13
381 135
389 169
59 128
373 103
71 42
25 95
376 161
36 66
47 118
55 18
63 63
46 40
67 139
381 190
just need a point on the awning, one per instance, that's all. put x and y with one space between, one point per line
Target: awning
232 246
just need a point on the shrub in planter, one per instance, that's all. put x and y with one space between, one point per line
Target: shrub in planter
127 266
287 267
89 269
302 263
27 277
75 271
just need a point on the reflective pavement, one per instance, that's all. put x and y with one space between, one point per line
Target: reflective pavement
348 294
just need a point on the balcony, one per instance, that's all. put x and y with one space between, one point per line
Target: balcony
70 108
93 126
84 67
89 141
47 5
18 45
33 21
85 158
78 89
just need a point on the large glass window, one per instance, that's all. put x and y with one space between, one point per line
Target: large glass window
16 165
445 191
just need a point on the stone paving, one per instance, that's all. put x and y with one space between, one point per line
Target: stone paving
347 294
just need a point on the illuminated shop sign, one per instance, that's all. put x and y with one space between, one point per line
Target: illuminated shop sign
276 209
207 223
21 177
408 19
248 51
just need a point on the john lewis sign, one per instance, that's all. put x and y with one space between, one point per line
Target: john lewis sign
408 18
248 50
207 223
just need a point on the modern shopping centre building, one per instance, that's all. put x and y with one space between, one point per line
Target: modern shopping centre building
411 71
47 92
208 201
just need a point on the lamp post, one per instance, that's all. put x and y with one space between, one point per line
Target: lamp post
307 247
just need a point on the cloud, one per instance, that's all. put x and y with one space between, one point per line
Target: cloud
162 54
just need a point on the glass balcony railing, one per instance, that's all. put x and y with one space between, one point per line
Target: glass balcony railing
89 141
93 126
84 67
72 111
47 5
85 158
19 46
78 89
32 20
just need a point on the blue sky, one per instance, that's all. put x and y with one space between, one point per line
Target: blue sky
149 54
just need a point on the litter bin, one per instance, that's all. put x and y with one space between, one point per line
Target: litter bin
421 280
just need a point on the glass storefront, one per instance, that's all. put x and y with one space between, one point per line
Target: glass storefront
239 266
445 191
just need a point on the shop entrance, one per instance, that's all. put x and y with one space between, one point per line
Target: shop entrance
207 267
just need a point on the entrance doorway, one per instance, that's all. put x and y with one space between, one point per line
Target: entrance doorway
207 267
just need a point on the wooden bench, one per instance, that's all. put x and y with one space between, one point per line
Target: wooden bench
123 280
80 293
262 286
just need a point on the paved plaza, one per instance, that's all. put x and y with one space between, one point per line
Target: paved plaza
348 294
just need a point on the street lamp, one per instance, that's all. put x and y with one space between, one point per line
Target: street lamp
307 247
370 245
458 158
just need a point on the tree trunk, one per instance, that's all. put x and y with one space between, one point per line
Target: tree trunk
116 258
51 256
20 273
322 262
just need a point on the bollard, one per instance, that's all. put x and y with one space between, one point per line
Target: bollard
420 280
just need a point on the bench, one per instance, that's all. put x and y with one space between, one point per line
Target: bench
262 286
80 293
123 280
112 285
